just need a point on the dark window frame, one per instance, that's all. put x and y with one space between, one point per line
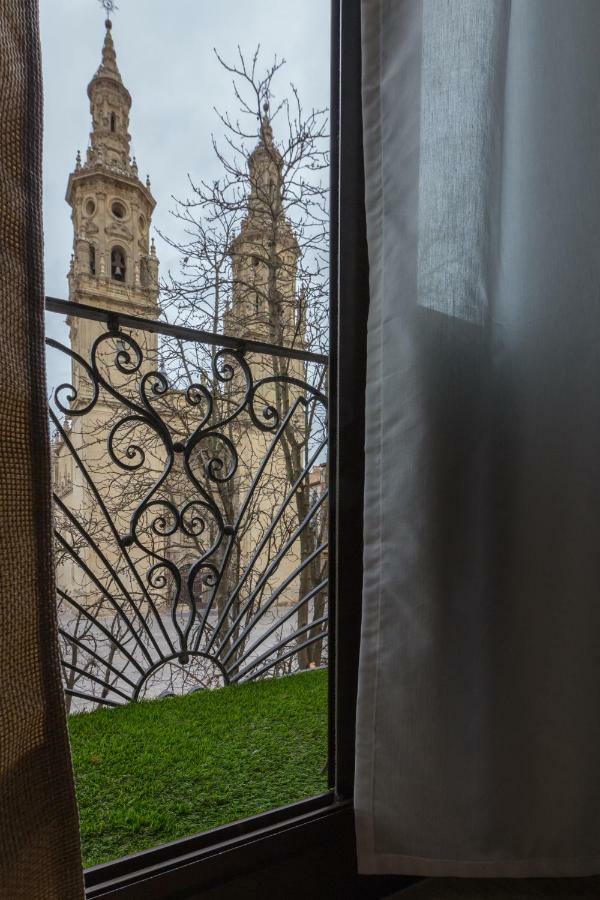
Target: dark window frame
306 849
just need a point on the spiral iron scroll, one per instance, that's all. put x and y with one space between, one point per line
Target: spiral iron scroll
112 659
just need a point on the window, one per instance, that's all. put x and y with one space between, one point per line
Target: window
118 209
113 122
118 269
92 260
263 857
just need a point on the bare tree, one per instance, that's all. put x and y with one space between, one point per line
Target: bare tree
254 260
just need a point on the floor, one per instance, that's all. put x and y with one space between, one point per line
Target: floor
503 889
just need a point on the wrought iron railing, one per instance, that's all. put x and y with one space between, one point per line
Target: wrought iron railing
190 507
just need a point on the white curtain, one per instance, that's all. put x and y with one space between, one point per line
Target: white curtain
478 737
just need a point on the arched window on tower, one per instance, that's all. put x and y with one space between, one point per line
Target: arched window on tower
113 122
118 268
92 260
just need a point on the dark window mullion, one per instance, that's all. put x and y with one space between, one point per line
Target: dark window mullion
353 306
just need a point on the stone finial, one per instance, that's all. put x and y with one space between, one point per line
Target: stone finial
78 161
148 182
266 144
109 55
108 66
134 166
152 248
266 130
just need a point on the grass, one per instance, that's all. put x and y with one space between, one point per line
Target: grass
156 771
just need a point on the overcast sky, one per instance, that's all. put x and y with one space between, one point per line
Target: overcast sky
165 56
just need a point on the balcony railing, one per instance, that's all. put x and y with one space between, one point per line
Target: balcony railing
190 475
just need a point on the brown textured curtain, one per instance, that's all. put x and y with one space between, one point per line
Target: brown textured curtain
39 833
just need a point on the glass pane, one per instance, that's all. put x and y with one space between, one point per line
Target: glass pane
190 462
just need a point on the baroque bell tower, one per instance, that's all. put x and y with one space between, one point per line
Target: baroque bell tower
114 264
114 268
264 255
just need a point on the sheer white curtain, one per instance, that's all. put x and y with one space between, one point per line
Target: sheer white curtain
478 739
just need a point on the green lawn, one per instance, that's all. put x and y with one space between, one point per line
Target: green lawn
156 771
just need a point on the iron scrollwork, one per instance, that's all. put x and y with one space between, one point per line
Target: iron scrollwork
245 597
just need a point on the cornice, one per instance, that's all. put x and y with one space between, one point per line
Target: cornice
109 174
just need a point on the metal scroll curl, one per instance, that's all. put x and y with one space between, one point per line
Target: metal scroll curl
184 554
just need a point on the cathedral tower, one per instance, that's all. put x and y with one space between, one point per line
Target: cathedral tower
114 266
264 256
266 306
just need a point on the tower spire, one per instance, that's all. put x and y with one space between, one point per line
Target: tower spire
266 130
111 208
109 56
110 103
108 65
265 165
265 253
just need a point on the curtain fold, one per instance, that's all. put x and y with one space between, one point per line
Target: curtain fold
478 720
39 830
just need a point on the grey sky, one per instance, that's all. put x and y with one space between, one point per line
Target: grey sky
165 55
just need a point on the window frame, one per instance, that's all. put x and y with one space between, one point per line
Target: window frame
307 848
